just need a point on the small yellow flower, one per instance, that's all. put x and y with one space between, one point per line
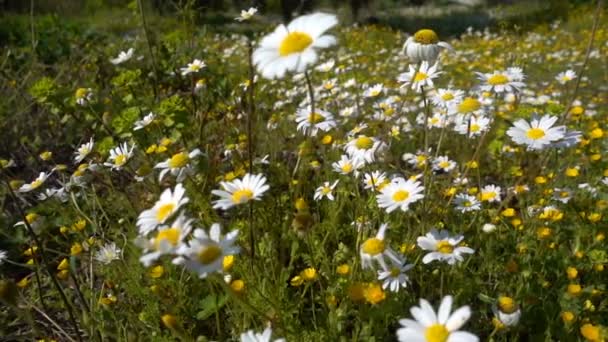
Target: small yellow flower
63 265
343 269
151 149
596 133
572 172
594 217
572 272
170 321
301 204
108 300
540 180
156 272
567 316
498 325
544 232
309 274
598 267
374 293
227 263
507 304
327 139
574 289
472 164
355 292
591 332
238 286
63 274
46 155
79 225
24 282
296 281
509 212
76 249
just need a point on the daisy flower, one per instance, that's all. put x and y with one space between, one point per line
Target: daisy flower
490 193
246 15
364 148
193 67
251 336
148 119
169 203
507 311
122 57
204 253
119 156
445 97
417 160
375 180
374 90
502 81
443 247
166 241
395 277
435 327
240 191
83 151
178 165
399 194
313 122
35 184
472 126
294 47
424 45
565 76
347 165
376 249
325 191
468 106
419 78
465 203
537 134
108 253
443 164
84 96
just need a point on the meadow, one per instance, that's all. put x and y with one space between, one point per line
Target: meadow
165 181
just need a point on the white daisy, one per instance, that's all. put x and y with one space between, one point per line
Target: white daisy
468 106
472 125
313 122
169 203
293 47
325 191
251 187
364 148
374 181
347 165
148 119
490 193
443 247
537 134
35 184
119 156
178 165
443 164
376 249
3 256
395 277
246 15
193 67
442 326
108 253
424 45
565 76
465 203
122 57
265 336
374 90
166 241
83 151
501 81
84 96
419 77
399 194
204 253
445 97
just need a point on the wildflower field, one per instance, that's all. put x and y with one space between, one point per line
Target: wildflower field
313 181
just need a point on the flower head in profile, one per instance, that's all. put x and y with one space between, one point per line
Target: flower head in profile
419 77
167 240
347 165
204 253
377 249
538 133
119 156
565 76
194 67
424 45
443 247
399 194
440 326
311 123
148 119
240 191
293 48
123 56
108 253
169 203
247 14
83 151
502 81
35 184
179 165
364 148
265 336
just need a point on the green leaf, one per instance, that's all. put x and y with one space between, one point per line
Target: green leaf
210 305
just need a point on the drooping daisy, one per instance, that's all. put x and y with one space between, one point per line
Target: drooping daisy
246 15
204 253
148 119
537 134
265 336
364 148
325 190
424 45
472 125
490 193
565 76
347 165
501 81
443 247
193 67
166 241
35 184
419 78
119 156
108 253
395 277
122 57
374 91
399 194
3 256
376 249
240 191
169 203
293 47
443 326
178 165
465 203
507 311
310 123
375 181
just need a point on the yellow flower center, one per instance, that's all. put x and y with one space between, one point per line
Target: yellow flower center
395 272
426 36
209 254
294 42
474 128
120 160
35 184
469 105
488 195
444 164
81 92
179 160
364 143
314 118
170 235
164 211
444 247
242 196
326 190
447 97
498 79
373 246
506 304
347 168
535 133
436 333
400 195
31 217
420 76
